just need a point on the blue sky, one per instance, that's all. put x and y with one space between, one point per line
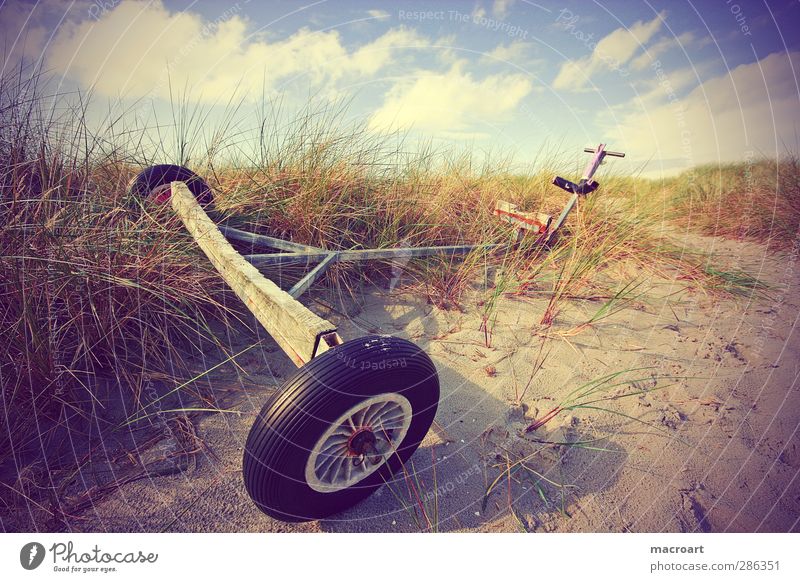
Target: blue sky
674 84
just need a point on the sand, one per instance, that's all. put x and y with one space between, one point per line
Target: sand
714 448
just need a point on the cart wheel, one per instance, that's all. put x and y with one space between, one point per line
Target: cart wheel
340 427
154 181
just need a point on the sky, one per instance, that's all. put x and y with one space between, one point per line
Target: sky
673 84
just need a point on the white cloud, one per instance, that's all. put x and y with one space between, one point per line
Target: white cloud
452 101
753 108
513 52
500 8
611 52
446 54
379 14
661 46
140 48
371 57
666 85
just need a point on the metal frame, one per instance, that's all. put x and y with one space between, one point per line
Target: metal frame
301 333
325 258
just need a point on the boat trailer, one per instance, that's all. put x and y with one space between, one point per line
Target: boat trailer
355 411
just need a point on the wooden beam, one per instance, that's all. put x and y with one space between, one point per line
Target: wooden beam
537 223
295 328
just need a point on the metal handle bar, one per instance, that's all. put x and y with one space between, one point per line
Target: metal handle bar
615 154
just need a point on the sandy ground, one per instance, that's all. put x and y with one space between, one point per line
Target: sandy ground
715 449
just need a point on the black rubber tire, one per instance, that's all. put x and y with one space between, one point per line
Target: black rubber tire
154 176
291 422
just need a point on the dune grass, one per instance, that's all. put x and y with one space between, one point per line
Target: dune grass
95 290
96 286
755 200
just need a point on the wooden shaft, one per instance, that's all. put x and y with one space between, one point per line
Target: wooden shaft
295 328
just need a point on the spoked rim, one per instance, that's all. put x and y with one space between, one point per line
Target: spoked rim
358 443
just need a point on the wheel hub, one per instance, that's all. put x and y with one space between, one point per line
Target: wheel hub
362 442
358 443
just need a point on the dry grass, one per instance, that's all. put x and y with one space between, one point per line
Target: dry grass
757 200
95 286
